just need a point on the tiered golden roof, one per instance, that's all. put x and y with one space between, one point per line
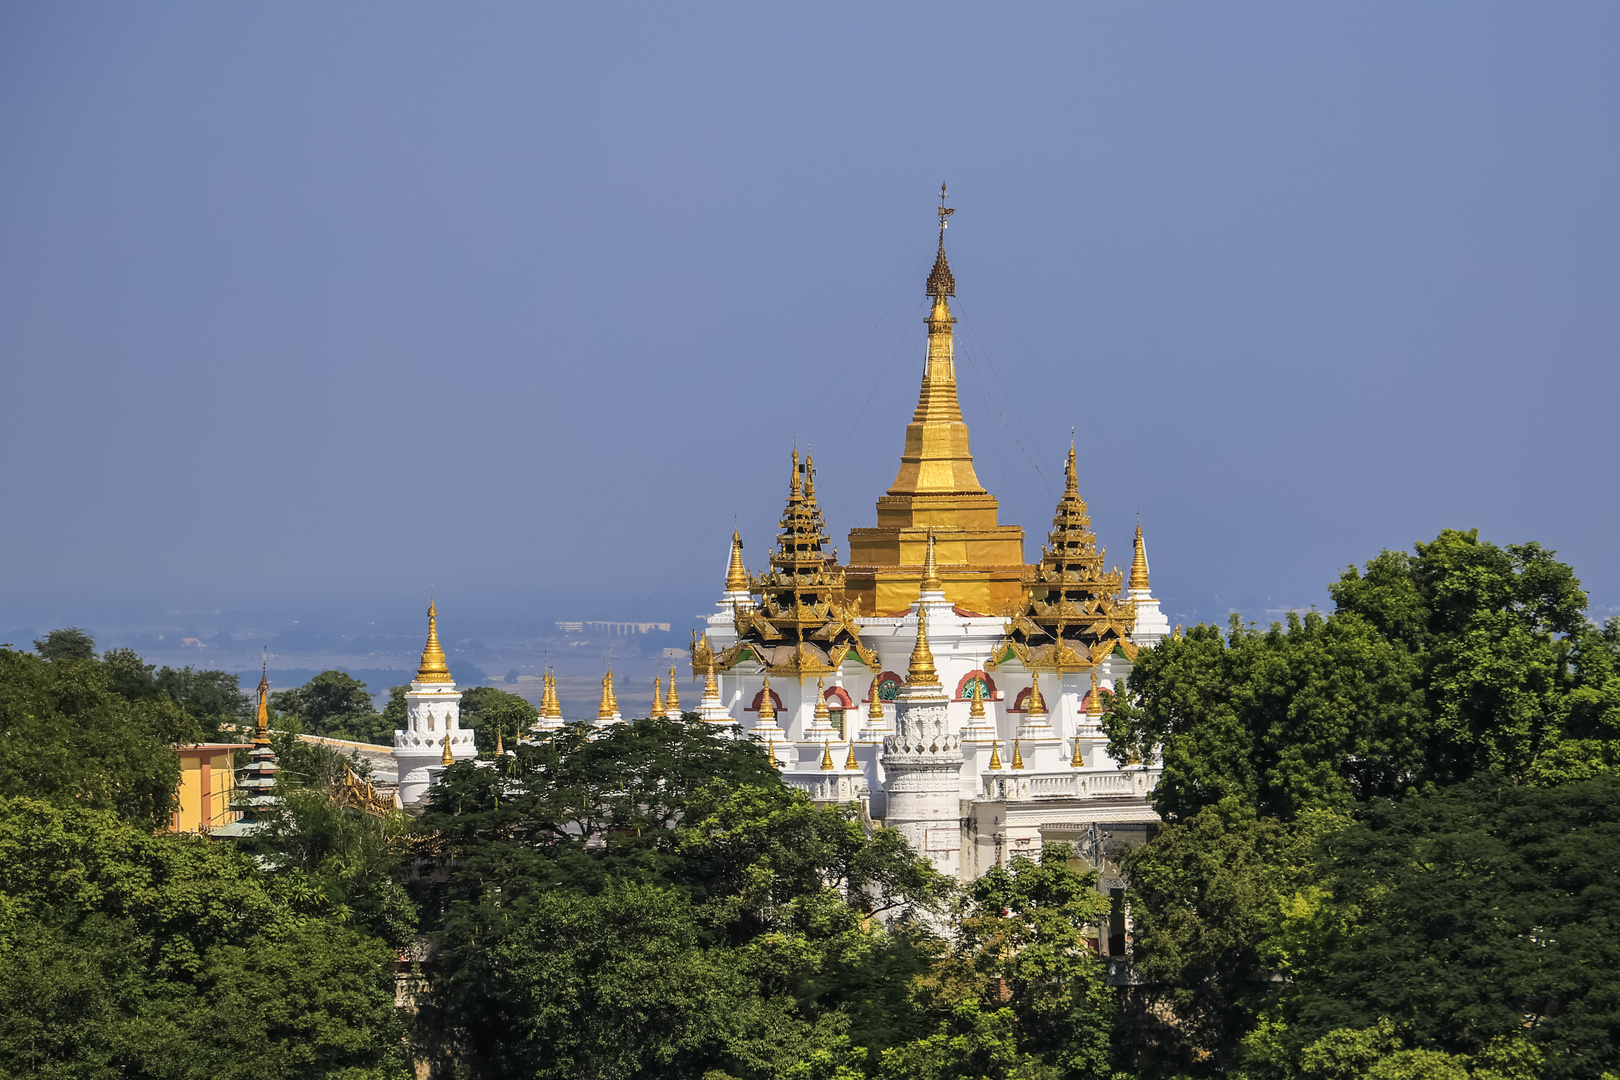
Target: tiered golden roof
802 626
936 488
1073 615
433 668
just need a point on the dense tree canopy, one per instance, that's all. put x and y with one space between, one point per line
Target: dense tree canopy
334 705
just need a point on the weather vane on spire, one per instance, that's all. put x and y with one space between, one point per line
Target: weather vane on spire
944 211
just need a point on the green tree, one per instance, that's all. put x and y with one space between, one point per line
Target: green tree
132 954
67 736
71 643
336 705
488 711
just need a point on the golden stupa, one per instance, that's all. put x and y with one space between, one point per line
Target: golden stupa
981 562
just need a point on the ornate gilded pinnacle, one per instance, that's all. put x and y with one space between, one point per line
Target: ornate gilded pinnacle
977 710
822 713
1018 756
767 708
1078 760
940 281
433 669
1071 476
672 700
658 699
736 573
921 672
711 685
770 749
550 707
874 711
995 754
1094 699
500 745
1033 705
826 757
609 708
931 581
261 734
850 761
447 758
1139 567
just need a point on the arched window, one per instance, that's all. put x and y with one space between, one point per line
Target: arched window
838 701
1018 702
776 702
964 688
886 687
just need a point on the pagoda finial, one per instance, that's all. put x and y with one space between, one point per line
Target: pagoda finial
1094 699
433 668
826 757
1078 761
875 710
500 745
921 672
977 711
447 758
1071 476
736 573
931 581
609 707
658 699
1139 565
672 700
940 281
995 754
851 762
767 708
793 484
261 734
1018 756
1033 705
822 712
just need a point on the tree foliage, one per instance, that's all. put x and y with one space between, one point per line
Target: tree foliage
334 705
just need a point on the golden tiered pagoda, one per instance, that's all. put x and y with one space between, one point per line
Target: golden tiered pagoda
1073 614
981 561
803 625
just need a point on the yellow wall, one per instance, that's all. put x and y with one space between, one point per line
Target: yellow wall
207 786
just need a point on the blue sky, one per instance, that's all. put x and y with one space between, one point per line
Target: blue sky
312 306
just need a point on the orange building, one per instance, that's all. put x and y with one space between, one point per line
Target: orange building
207 786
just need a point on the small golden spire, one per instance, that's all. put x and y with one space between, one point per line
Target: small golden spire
767 708
736 574
1033 705
1071 476
977 711
921 672
850 761
1139 567
658 699
550 707
995 754
1094 699
1078 760
940 281
794 490
930 580
672 700
826 757
261 735
1018 756
610 704
770 749
433 669
711 685
874 711
822 712
500 746
448 758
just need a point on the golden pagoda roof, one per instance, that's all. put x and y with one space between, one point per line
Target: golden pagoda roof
802 626
1073 614
433 668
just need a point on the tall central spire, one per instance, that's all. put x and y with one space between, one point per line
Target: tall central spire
979 562
936 459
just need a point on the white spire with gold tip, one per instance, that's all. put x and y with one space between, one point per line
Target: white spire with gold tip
433 735
1151 624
